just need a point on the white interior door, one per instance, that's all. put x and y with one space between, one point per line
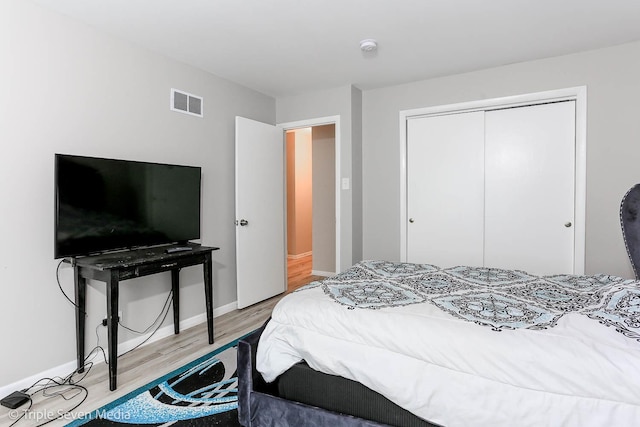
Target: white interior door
260 212
529 188
445 180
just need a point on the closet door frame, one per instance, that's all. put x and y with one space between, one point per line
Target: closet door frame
577 94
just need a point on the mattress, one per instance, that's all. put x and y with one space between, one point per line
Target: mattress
468 346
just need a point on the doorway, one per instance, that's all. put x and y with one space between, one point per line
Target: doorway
311 203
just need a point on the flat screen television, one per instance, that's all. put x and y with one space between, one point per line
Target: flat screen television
104 205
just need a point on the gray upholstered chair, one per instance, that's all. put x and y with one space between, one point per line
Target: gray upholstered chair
630 221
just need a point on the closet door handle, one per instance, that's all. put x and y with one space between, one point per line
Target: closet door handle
567 224
411 220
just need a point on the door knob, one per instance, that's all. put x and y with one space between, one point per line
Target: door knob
411 220
243 222
567 224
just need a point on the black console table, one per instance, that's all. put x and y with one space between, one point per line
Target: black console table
114 267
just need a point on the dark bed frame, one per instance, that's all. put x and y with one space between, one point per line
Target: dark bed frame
304 397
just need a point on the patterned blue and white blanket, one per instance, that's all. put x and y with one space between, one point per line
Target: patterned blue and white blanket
491 297
568 350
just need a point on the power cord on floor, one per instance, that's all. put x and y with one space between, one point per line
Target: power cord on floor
58 387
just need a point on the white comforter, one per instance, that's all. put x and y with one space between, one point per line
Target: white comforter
563 368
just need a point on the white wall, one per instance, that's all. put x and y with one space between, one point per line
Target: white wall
356 165
67 88
613 141
324 198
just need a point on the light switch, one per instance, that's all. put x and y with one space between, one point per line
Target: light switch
345 183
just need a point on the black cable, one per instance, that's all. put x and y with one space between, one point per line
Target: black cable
62 415
97 347
149 337
68 381
163 313
60 393
24 413
58 381
165 307
64 293
55 384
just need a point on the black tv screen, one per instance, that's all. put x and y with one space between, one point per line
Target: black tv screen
106 204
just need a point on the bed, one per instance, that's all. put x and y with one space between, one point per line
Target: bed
459 346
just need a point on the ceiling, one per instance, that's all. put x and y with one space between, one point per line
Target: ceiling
286 47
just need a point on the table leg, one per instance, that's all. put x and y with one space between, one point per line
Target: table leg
175 287
112 328
208 294
80 289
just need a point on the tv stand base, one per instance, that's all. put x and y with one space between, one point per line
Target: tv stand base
115 267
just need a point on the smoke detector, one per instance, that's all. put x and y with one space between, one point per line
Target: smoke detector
368 45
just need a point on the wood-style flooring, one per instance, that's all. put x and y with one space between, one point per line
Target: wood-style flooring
299 272
149 362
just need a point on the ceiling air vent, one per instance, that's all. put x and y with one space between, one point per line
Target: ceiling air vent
186 103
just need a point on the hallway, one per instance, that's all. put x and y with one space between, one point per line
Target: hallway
299 272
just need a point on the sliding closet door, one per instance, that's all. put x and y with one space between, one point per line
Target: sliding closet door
445 197
529 188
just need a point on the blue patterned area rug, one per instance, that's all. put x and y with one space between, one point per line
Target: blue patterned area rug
201 393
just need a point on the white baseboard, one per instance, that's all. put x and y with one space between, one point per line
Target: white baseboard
66 368
224 309
59 371
322 273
